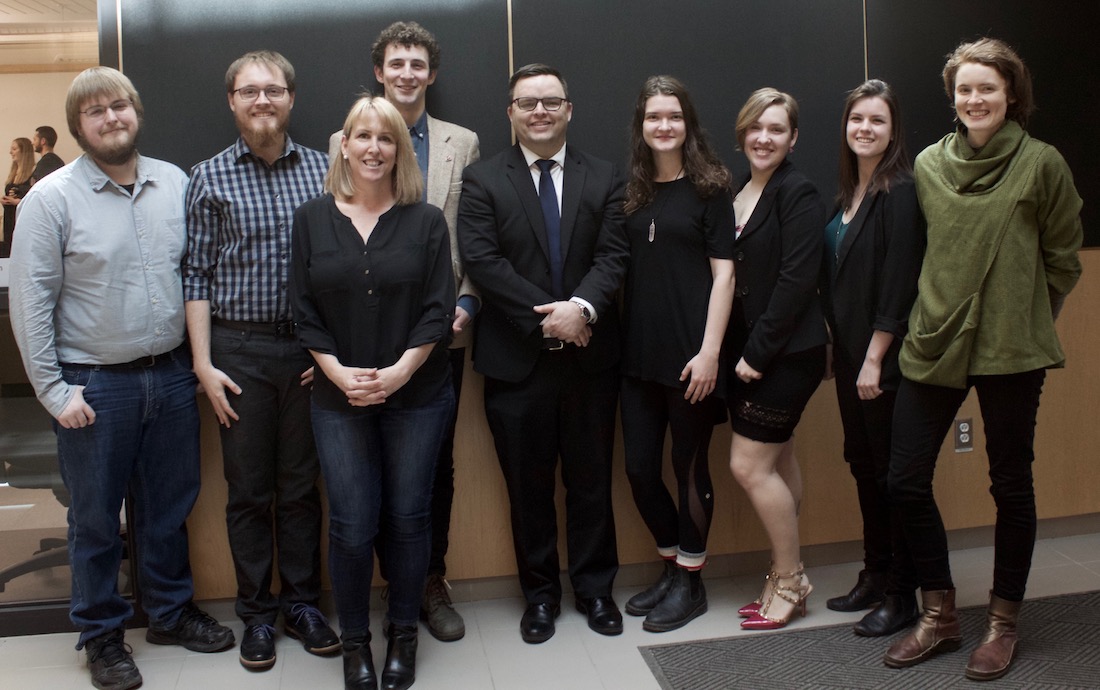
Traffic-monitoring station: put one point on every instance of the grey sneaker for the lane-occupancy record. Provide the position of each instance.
(436, 610)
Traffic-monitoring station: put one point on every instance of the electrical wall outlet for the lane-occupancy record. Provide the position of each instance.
(964, 435)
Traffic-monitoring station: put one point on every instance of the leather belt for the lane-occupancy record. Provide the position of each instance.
(139, 363)
(283, 328)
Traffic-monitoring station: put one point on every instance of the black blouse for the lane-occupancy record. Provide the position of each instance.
(669, 282)
(369, 303)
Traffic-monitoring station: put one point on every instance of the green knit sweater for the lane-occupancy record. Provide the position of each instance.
(968, 196)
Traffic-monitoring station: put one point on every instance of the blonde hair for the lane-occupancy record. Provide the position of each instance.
(758, 102)
(22, 166)
(94, 82)
(408, 185)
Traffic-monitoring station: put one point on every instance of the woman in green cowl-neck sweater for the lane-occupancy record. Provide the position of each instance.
(1003, 234)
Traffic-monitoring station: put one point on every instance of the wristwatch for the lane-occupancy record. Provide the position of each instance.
(585, 312)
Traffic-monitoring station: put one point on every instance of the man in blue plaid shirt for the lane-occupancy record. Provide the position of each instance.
(240, 207)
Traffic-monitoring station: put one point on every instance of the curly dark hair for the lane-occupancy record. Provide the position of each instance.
(701, 164)
(405, 34)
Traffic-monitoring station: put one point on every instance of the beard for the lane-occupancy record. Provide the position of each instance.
(115, 154)
(263, 133)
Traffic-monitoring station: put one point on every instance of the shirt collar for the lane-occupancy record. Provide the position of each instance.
(242, 149)
(99, 179)
(530, 157)
(421, 126)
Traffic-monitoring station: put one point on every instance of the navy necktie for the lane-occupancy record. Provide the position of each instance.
(551, 216)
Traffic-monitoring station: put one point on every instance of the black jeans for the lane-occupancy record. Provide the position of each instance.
(270, 462)
(443, 489)
(923, 415)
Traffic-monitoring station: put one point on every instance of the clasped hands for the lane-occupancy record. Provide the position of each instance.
(369, 386)
(565, 322)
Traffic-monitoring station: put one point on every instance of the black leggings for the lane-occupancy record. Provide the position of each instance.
(647, 409)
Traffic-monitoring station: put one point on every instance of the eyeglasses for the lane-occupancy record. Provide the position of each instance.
(551, 103)
(251, 93)
(98, 112)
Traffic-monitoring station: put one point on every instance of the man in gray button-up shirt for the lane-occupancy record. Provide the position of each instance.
(97, 310)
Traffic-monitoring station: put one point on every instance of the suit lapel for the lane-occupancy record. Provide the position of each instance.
(520, 176)
(767, 200)
(441, 160)
(854, 229)
(573, 182)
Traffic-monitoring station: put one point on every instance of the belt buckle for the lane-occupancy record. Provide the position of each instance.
(284, 328)
(557, 345)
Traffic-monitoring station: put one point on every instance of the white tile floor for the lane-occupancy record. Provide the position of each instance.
(492, 656)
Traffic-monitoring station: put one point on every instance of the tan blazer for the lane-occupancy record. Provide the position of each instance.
(450, 149)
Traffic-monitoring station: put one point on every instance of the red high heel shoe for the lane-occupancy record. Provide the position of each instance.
(795, 594)
(753, 607)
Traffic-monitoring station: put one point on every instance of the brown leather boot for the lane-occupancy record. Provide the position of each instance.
(998, 648)
(937, 631)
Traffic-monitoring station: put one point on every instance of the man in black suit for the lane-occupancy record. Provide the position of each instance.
(540, 227)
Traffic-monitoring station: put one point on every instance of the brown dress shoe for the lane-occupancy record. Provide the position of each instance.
(937, 631)
(998, 648)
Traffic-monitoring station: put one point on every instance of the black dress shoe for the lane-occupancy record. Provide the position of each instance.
(603, 615)
(305, 623)
(897, 611)
(537, 624)
(258, 647)
(869, 590)
(359, 665)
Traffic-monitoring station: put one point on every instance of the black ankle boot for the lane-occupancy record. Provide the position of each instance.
(686, 599)
(896, 611)
(400, 669)
(869, 590)
(359, 665)
(645, 601)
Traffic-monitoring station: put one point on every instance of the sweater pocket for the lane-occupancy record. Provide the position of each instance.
(939, 355)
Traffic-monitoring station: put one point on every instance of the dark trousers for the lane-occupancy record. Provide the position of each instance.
(558, 410)
(271, 467)
(649, 408)
(867, 432)
(922, 417)
(443, 490)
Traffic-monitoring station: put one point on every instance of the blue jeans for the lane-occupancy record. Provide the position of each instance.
(146, 439)
(378, 468)
(271, 468)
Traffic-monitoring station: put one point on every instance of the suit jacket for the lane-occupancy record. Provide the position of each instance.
(502, 238)
(778, 261)
(874, 282)
(450, 149)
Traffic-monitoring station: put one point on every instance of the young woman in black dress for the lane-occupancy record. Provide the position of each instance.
(678, 295)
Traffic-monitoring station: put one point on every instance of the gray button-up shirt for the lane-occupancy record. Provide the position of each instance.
(95, 273)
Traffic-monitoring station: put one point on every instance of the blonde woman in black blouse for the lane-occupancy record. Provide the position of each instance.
(373, 294)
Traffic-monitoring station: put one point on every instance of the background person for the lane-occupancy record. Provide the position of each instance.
(679, 289)
(873, 250)
(1004, 228)
(776, 337)
(44, 139)
(18, 183)
(373, 293)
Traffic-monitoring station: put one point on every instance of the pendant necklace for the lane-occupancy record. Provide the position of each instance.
(653, 220)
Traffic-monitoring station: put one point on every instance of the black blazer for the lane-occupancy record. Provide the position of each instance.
(502, 239)
(874, 284)
(778, 260)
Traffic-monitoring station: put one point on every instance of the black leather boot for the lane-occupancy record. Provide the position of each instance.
(358, 665)
(643, 602)
(896, 611)
(686, 599)
(869, 590)
(400, 670)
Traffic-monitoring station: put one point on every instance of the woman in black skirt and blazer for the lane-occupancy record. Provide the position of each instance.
(776, 338)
